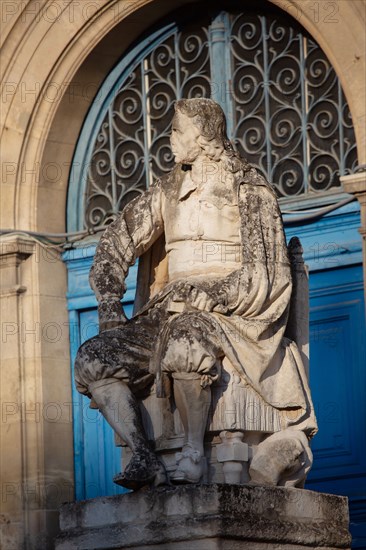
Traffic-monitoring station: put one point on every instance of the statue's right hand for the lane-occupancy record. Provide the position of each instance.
(196, 298)
(181, 291)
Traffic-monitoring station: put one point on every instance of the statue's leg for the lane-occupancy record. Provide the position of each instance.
(191, 358)
(193, 403)
(109, 368)
(120, 408)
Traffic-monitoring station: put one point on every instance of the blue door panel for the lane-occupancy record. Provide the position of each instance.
(96, 458)
(101, 458)
(337, 379)
(338, 385)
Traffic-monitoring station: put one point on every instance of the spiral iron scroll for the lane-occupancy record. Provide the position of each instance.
(132, 147)
(291, 119)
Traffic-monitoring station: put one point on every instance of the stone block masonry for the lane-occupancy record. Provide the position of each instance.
(207, 517)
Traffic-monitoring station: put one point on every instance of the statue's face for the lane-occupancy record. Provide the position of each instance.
(183, 139)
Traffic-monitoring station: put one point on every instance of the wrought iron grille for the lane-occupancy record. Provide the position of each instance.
(291, 119)
(286, 110)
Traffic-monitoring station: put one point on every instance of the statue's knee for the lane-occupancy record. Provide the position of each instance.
(88, 352)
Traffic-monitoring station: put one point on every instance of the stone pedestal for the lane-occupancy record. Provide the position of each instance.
(207, 517)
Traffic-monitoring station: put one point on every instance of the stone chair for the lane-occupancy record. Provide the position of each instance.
(240, 421)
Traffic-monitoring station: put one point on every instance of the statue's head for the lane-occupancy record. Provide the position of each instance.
(199, 126)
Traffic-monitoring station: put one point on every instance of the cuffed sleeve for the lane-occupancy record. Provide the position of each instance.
(129, 236)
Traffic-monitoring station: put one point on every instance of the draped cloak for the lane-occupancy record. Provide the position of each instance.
(256, 296)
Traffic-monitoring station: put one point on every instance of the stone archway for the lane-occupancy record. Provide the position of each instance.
(34, 115)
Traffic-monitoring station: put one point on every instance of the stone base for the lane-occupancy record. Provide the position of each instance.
(207, 517)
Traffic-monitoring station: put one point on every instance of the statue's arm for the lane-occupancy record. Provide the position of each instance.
(263, 283)
(131, 234)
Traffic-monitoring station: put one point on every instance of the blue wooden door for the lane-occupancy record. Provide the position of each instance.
(100, 458)
(96, 457)
(337, 359)
(338, 383)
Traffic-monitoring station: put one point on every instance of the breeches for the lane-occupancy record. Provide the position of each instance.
(185, 345)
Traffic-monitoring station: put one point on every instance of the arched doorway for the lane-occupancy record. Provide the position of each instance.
(287, 114)
(286, 110)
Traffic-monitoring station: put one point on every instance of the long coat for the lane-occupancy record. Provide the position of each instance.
(256, 297)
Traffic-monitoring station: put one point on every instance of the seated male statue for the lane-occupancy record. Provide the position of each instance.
(226, 294)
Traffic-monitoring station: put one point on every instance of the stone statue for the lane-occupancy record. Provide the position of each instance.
(222, 293)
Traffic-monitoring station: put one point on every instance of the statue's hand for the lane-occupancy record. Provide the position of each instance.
(197, 298)
(111, 315)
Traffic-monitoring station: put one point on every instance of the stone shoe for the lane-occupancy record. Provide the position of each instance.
(190, 466)
(143, 469)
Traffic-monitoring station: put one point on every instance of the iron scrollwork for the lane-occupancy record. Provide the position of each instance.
(290, 117)
(132, 145)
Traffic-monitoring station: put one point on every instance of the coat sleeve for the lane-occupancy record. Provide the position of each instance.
(129, 236)
(262, 287)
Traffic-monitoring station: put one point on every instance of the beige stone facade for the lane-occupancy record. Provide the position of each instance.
(54, 56)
